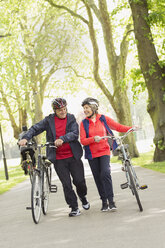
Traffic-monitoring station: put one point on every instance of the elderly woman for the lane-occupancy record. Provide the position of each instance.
(98, 151)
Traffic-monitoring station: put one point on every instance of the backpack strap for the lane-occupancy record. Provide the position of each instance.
(88, 154)
(103, 120)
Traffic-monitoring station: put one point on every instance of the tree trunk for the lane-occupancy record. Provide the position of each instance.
(153, 74)
(119, 100)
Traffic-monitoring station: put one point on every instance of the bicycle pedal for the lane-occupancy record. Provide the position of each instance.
(28, 208)
(143, 187)
(124, 185)
(53, 188)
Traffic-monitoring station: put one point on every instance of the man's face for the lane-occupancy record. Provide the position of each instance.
(61, 113)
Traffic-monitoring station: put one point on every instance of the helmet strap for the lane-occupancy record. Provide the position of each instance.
(91, 114)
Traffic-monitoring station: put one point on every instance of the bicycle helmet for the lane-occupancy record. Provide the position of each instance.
(93, 104)
(90, 101)
(58, 103)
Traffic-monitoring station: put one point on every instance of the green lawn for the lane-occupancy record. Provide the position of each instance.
(145, 160)
(16, 175)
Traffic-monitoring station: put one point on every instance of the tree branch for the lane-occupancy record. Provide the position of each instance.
(5, 35)
(68, 10)
(97, 77)
(76, 73)
(93, 6)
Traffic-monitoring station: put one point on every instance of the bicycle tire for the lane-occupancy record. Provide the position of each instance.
(31, 171)
(133, 185)
(46, 191)
(49, 168)
(36, 195)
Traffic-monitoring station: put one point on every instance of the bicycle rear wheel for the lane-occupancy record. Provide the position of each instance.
(133, 184)
(36, 195)
(46, 191)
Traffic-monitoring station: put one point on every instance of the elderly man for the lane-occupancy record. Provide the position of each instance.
(62, 129)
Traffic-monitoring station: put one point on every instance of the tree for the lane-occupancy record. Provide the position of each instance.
(38, 47)
(118, 99)
(153, 71)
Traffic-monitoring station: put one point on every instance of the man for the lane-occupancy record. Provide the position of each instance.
(62, 129)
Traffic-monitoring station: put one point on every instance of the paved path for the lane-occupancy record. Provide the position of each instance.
(126, 228)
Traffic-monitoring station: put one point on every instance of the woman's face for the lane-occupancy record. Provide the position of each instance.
(87, 110)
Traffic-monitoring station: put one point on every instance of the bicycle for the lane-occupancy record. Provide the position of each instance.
(132, 179)
(41, 184)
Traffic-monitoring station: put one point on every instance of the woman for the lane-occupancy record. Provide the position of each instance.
(98, 151)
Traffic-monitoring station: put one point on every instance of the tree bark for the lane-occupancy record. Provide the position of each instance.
(153, 74)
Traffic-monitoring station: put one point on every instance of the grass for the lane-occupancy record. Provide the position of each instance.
(16, 175)
(145, 160)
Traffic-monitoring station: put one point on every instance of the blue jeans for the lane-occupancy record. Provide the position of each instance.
(100, 168)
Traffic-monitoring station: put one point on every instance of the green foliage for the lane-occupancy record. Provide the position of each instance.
(164, 97)
(41, 38)
(157, 12)
(138, 83)
(152, 69)
(121, 5)
(161, 145)
(161, 63)
(157, 18)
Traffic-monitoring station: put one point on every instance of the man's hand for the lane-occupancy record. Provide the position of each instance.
(22, 142)
(97, 138)
(58, 142)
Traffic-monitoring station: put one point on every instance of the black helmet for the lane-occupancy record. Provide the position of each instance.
(58, 103)
(90, 101)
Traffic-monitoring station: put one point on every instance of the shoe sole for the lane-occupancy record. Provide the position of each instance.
(112, 209)
(105, 210)
(74, 215)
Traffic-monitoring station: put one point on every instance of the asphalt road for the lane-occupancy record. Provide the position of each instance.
(126, 228)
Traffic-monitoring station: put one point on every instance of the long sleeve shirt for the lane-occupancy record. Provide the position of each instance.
(97, 128)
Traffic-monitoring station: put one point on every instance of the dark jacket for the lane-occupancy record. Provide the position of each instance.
(48, 125)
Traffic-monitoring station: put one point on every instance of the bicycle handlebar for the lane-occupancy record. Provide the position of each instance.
(47, 144)
(133, 129)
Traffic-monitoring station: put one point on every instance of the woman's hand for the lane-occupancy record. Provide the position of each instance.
(97, 139)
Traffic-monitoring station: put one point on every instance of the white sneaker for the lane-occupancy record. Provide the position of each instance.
(74, 212)
(85, 203)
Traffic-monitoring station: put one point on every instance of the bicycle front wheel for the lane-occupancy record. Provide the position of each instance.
(36, 197)
(133, 184)
(31, 171)
(46, 191)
